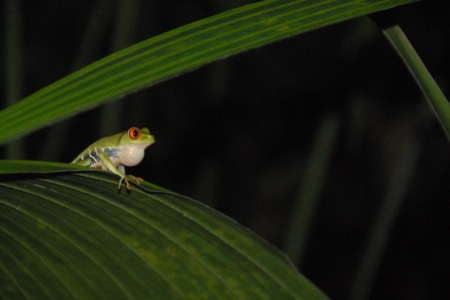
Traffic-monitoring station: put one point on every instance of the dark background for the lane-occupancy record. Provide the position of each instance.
(237, 134)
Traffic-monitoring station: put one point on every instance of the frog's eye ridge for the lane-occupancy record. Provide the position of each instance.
(134, 133)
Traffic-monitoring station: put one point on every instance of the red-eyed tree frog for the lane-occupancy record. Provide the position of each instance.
(114, 152)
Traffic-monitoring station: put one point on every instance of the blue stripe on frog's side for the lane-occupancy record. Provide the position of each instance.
(94, 154)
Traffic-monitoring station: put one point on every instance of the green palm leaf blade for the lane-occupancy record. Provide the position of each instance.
(436, 98)
(72, 235)
(176, 52)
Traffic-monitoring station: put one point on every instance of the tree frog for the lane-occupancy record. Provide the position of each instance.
(114, 152)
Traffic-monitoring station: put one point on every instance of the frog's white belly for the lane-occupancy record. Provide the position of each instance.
(129, 155)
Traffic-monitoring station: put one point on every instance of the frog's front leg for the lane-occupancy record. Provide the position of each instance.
(129, 177)
(138, 180)
(125, 177)
(106, 161)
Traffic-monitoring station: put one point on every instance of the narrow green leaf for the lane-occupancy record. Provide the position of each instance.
(436, 98)
(74, 236)
(176, 52)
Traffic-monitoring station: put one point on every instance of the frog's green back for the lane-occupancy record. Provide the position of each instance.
(108, 141)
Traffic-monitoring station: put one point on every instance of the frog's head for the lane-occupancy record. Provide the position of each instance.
(133, 144)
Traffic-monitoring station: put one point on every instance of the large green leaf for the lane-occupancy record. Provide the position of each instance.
(72, 235)
(30, 166)
(176, 52)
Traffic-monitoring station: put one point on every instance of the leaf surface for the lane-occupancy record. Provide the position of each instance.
(72, 235)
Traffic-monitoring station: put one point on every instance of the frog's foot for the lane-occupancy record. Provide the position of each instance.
(126, 182)
(126, 178)
(138, 180)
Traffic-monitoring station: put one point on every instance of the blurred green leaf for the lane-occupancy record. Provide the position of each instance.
(176, 52)
(72, 235)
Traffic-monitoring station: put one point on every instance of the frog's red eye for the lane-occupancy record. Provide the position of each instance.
(134, 133)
